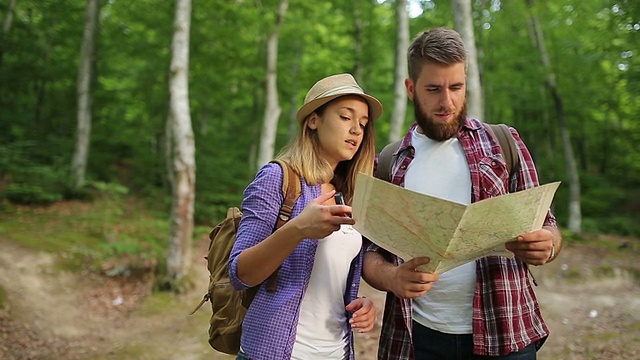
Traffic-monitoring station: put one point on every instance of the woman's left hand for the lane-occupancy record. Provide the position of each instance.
(364, 316)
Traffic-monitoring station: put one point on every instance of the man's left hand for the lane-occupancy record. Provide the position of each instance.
(533, 248)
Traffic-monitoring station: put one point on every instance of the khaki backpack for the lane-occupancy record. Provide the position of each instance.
(228, 305)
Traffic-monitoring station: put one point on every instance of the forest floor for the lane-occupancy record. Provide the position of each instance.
(590, 297)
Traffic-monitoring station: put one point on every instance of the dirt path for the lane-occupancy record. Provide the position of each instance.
(55, 314)
(590, 298)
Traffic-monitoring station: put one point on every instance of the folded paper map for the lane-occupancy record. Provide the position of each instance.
(410, 224)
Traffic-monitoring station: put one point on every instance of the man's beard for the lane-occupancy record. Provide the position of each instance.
(439, 131)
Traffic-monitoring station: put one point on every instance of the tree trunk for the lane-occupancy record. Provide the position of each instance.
(184, 168)
(293, 110)
(6, 26)
(358, 68)
(85, 76)
(8, 17)
(463, 23)
(401, 73)
(272, 108)
(575, 213)
(168, 149)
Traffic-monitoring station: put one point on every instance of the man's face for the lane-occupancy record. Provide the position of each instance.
(439, 98)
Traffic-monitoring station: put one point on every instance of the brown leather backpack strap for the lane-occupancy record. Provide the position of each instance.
(291, 190)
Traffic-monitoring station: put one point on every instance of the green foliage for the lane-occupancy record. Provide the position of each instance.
(593, 45)
(570, 237)
(118, 238)
(604, 207)
(30, 195)
(216, 207)
(128, 256)
(112, 191)
(28, 181)
(613, 224)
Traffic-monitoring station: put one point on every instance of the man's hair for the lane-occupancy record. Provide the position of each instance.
(439, 45)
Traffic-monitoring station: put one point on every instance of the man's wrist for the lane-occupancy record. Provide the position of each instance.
(553, 254)
(556, 242)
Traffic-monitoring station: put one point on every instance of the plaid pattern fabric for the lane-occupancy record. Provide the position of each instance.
(269, 328)
(506, 315)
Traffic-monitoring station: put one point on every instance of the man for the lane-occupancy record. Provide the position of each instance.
(486, 308)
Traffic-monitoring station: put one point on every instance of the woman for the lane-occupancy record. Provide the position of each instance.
(318, 254)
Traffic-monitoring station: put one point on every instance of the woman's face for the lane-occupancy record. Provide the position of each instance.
(341, 128)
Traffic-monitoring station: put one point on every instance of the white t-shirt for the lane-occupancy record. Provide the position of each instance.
(440, 169)
(322, 327)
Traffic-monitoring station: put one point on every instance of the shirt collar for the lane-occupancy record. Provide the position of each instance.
(469, 125)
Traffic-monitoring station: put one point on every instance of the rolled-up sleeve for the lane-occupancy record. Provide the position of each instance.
(260, 207)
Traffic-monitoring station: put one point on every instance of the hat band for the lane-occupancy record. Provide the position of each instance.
(346, 89)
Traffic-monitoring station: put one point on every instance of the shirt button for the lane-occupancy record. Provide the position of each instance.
(403, 167)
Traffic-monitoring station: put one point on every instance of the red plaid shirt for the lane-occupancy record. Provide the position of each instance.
(506, 315)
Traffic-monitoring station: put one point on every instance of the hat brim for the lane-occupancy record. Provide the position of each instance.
(375, 107)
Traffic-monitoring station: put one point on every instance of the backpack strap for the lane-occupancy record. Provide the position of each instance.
(291, 190)
(507, 145)
(383, 170)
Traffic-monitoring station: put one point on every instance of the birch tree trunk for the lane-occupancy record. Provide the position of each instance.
(463, 23)
(293, 109)
(168, 150)
(575, 212)
(401, 73)
(8, 17)
(272, 108)
(84, 96)
(358, 68)
(6, 26)
(184, 168)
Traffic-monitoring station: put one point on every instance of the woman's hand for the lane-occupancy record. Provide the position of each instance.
(364, 316)
(317, 221)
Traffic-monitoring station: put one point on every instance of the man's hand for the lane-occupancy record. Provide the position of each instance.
(405, 281)
(536, 247)
(409, 282)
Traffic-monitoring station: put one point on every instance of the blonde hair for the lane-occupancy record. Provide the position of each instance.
(303, 155)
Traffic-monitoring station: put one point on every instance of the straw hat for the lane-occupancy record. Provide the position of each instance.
(332, 87)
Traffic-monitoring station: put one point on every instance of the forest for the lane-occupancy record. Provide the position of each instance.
(564, 73)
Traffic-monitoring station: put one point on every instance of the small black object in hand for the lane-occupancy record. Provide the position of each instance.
(340, 200)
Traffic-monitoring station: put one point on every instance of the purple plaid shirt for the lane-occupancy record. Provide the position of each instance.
(269, 328)
(506, 315)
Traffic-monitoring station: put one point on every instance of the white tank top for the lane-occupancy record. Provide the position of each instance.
(322, 327)
(440, 169)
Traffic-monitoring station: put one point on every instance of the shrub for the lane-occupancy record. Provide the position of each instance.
(26, 194)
